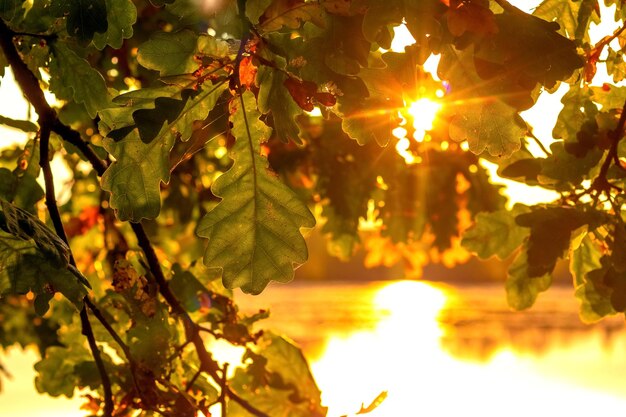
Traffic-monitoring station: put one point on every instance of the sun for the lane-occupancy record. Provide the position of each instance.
(423, 112)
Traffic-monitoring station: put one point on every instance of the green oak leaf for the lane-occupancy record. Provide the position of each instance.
(616, 65)
(281, 381)
(274, 98)
(285, 358)
(377, 22)
(577, 108)
(84, 18)
(73, 78)
(255, 9)
(595, 292)
(493, 126)
(149, 337)
(550, 234)
(522, 290)
(609, 96)
(254, 232)
(69, 364)
(7, 184)
(165, 111)
(20, 186)
(584, 258)
(116, 122)
(34, 258)
(573, 16)
(523, 169)
(121, 15)
(11, 9)
(25, 226)
(292, 14)
(527, 50)
(479, 113)
(23, 125)
(496, 233)
(134, 178)
(562, 168)
(186, 288)
(56, 371)
(170, 53)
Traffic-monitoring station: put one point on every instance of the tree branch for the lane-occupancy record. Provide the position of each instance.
(531, 135)
(192, 332)
(34, 94)
(224, 389)
(55, 216)
(95, 351)
(48, 122)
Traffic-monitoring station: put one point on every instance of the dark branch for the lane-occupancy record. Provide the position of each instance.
(224, 389)
(192, 332)
(73, 137)
(55, 216)
(48, 121)
(98, 314)
(539, 143)
(615, 135)
(34, 94)
(106, 382)
(193, 380)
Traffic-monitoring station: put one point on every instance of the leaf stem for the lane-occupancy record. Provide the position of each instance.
(235, 82)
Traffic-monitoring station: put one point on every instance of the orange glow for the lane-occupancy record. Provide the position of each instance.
(371, 221)
(403, 356)
(355, 369)
(401, 38)
(423, 112)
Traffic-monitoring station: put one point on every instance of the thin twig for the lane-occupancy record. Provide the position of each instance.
(207, 363)
(48, 37)
(235, 82)
(95, 352)
(98, 314)
(531, 135)
(55, 216)
(193, 380)
(615, 136)
(224, 389)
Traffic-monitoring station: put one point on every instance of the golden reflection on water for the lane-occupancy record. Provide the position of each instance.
(403, 355)
(437, 350)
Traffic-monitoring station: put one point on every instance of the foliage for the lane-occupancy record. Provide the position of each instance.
(197, 162)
